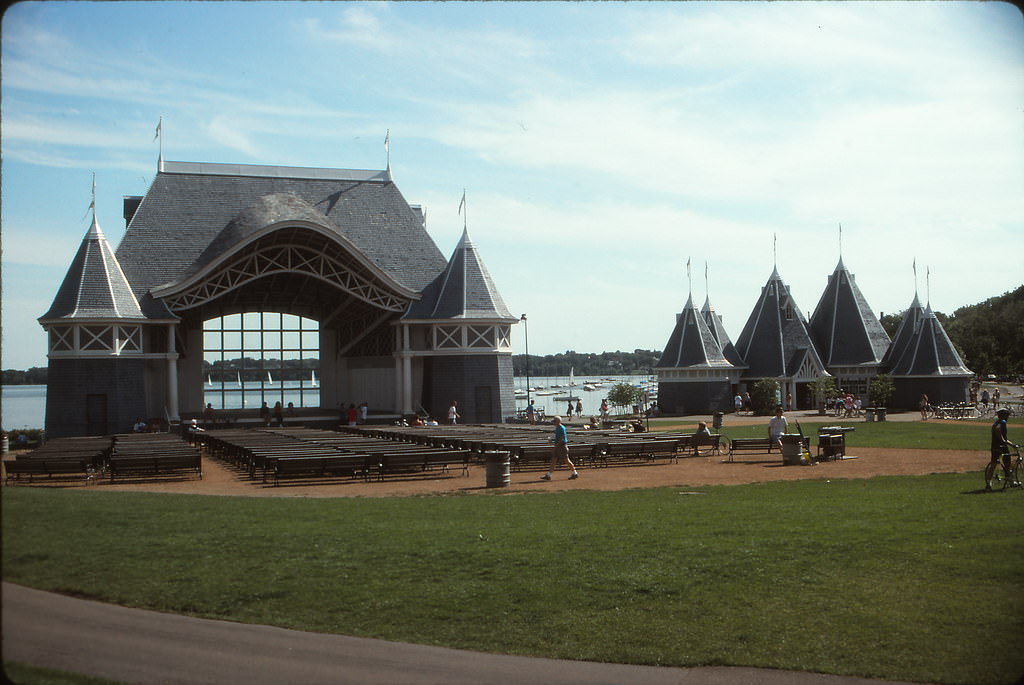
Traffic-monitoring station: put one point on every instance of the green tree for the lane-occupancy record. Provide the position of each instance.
(880, 389)
(764, 396)
(821, 389)
(624, 395)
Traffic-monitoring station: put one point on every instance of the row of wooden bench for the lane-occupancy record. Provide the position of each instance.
(117, 456)
(313, 453)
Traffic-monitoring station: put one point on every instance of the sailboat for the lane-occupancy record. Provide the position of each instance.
(312, 378)
(209, 381)
(238, 378)
(570, 397)
(270, 379)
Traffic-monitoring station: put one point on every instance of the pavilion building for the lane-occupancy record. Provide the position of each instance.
(236, 285)
(923, 360)
(694, 375)
(776, 343)
(850, 338)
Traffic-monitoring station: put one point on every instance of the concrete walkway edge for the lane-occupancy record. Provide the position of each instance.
(148, 647)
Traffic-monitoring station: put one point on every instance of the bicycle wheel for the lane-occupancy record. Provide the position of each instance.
(1018, 473)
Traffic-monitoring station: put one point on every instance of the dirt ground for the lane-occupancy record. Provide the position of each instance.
(221, 479)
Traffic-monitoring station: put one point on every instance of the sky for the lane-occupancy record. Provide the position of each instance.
(601, 146)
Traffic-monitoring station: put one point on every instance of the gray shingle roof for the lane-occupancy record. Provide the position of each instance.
(775, 334)
(928, 350)
(714, 321)
(192, 212)
(94, 286)
(464, 290)
(692, 344)
(847, 331)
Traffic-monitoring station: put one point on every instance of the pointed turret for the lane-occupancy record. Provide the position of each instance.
(923, 361)
(776, 341)
(694, 376)
(464, 290)
(714, 321)
(94, 287)
(847, 331)
(692, 344)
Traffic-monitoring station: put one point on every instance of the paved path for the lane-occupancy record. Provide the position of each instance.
(136, 646)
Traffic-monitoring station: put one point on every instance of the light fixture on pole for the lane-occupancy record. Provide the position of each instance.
(526, 336)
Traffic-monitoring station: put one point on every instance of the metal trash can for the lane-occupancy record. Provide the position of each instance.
(792, 449)
(716, 419)
(498, 469)
(869, 414)
(880, 413)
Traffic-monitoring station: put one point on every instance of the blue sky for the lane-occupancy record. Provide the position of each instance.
(601, 145)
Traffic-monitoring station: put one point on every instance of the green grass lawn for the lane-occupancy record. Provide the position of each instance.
(909, 578)
(946, 435)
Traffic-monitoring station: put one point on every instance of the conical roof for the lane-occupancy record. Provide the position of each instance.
(847, 331)
(775, 342)
(692, 344)
(909, 328)
(714, 321)
(464, 290)
(929, 351)
(95, 287)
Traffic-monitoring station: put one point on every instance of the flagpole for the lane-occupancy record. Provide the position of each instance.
(689, 276)
(160, 136)
(387, 149)
(463, 210)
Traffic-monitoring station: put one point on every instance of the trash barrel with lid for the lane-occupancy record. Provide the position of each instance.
(869, 414)
(716, 419)
(880, 414)
(498, 469)
(792, 448)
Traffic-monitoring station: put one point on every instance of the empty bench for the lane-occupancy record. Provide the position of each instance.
(155, 466)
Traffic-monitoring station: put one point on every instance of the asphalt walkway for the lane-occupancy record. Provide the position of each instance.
(148, 647)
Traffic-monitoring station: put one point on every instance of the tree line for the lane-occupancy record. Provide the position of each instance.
(616, 363)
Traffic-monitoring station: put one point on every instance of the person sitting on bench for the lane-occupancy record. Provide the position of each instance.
(777, 426)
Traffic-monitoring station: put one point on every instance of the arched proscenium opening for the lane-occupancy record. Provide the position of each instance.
(305, 272)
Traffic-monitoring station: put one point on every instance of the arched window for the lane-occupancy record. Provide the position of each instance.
(258, 357)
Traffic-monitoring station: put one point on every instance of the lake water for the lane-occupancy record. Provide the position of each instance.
(545, 394)
(24, 406)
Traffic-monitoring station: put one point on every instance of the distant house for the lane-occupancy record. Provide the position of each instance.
(237, 284)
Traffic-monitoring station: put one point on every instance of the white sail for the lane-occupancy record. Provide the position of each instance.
(312, 378)
(270, 379)
(209, 380)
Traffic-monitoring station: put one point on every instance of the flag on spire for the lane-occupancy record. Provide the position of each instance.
(387, 140)
(159, 127)
(463, 202)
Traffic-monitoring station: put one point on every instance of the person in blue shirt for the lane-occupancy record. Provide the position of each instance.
(560, 451)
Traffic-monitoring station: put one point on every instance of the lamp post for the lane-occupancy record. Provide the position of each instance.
(526, 336)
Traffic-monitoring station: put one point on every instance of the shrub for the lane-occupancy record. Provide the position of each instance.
(764, 396)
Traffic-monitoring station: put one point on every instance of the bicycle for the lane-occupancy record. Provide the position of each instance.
(1002, 477)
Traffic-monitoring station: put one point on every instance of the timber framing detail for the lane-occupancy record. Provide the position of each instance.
(260, 259)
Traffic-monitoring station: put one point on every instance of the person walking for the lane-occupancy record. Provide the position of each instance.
(453, 413)
(560, 451)
(531, 413)
(579, 408)
(1000, 448)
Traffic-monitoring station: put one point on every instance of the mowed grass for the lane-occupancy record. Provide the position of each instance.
(934, 434)
(897, 578)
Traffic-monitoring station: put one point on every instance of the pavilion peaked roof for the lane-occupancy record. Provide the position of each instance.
(847, 331)
(95, 287)
(927, 351)
(776, 341)
(692, 344)
(464, 290)
(714, 321)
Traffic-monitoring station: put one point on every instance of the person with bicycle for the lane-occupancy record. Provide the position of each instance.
(1000, 448)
